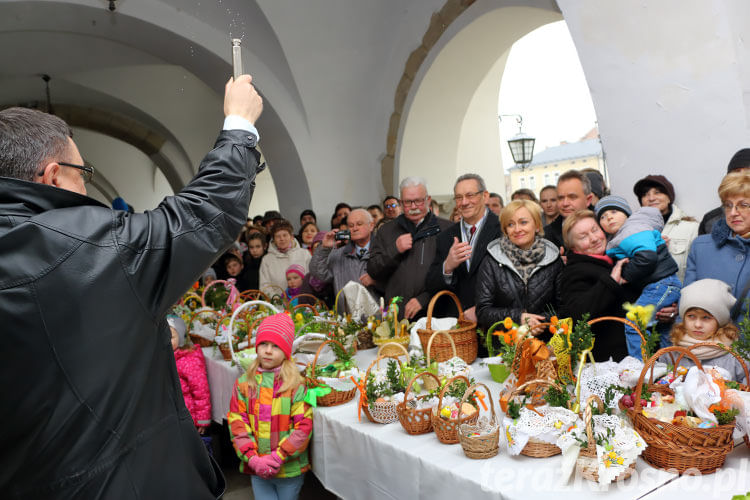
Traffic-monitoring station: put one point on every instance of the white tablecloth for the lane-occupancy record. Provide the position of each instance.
(221, 376)
(362, 460)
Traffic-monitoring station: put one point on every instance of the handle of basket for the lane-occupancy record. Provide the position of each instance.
(433, 300)
(237, 311)
(539, 381)
(414, 379)
(587, 416)
(448, 384)
(296, 308)
(198, 313)
(720, 347)
(468, 392)
(445, 333)
(189, 296)
(399, 346)
(316, 300)
(651, 361)
(214, 283)
(254, 295)
(624, 322)
(317, 353)
(490, 331)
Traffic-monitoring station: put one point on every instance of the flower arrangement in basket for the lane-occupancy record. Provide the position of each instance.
(676, 440)
(741, 349)
(381, 390)
(500, 364)
(464, 333)
(390, 328)
(481, 439)
(602, 447)
(536, 414)
(446, 418)
(448, 368)
(335, 383)
(224, 298)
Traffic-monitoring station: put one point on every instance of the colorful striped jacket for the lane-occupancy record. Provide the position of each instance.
(265, 420)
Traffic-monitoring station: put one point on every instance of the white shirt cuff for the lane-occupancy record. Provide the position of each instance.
(236, 122)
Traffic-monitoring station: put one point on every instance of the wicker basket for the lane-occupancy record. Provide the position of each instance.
(447, 428)
(226, 352)
(464, 337)
(678, 447)
(479, 447)
(197, 339)
(587, 464)
(334, 397)
(430, 385)
(379, 341)
(416, 421)
(739, 358)
(383, 412)
(536, 448)
(232, 288)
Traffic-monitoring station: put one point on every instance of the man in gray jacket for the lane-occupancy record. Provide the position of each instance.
(349, 261)
(92, 404)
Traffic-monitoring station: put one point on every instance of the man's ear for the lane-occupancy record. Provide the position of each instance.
(51, 174)
(589, 199)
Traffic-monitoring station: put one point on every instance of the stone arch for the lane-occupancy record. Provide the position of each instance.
(453, 80)
(167, 36)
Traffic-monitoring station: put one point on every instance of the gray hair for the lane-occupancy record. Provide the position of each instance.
(28, 138)
(576, 174)
(412, 181)
(471, 177)
(368, 215)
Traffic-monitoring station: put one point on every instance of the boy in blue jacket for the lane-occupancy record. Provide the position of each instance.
(637, 237)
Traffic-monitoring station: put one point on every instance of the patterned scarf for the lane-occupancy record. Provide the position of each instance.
(525, 261)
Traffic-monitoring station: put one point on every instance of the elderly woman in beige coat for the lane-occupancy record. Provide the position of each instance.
(283, 251)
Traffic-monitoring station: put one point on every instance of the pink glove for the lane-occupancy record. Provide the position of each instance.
(275, 455)
(266, 466)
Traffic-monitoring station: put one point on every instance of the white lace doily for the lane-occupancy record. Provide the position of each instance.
(546, 427)
(621, 446)
(452, 367)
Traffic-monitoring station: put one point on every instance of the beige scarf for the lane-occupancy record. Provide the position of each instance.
(706, 352)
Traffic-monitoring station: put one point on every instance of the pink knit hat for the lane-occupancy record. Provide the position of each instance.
(296, 268)
(277, 329)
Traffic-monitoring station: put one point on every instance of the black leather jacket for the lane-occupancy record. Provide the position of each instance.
(501, 292)
(92, 405)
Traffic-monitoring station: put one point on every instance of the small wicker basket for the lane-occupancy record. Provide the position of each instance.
(334, 397)
(197, 339)
(464, 337)
(416, 421)
(393, 350)
(679, 447)
(587, 464)
(447, 428)
(483, 446)
(383, 412)
(535, 447)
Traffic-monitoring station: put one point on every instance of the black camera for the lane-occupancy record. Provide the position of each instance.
(343, 235)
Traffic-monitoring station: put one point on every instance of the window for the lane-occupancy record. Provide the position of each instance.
(523, 182)
(532, 182)
(546, 179)
(557, 174)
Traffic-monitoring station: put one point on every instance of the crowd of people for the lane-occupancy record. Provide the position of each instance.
(107, 392)
(571, 249)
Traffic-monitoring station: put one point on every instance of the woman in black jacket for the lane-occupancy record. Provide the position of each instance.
(591, 283)
(519, 276)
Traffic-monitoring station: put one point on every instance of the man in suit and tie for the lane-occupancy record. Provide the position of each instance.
(461, 247)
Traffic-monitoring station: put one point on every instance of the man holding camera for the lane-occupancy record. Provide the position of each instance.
(404, 248)
(342, 256)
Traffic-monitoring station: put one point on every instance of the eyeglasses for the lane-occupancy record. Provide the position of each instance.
(391, 205)
(469, 196)
(415, 203)
(86, 172)
(742, 207)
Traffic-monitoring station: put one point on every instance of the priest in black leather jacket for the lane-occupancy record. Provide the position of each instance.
(92, 405)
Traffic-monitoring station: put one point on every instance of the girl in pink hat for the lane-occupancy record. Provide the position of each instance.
(270, 421)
